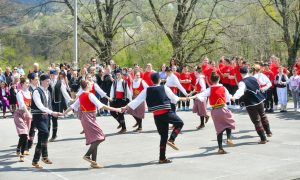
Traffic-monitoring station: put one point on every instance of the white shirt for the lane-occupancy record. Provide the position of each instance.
(263, 80)
(37, 99)
(92, 98)
(20, 98)
(143, 95)
(206, 93)
(200, 80)
(120, 89)
(173, 81)
(294, 82)
(136, 83)
(97, 89)
(33, 86)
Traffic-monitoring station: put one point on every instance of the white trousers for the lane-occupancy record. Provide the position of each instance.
(282, 95)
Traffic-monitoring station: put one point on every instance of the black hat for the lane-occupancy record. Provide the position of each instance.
(44, 77)
(119, 71)
(53, 71)
(243, 70)
(32, 76)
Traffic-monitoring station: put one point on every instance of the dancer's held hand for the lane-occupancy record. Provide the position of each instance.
(123, 109)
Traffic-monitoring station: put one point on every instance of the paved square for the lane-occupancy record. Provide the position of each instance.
(134, 155)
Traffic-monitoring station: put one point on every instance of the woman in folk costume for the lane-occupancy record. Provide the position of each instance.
(281, 81)
(4, 94)
(88, 105)
(138, 85)
(222, 117)
(95, 89)
(22, 118)
(200, 106)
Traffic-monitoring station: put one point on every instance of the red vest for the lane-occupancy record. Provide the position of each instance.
(174, 89)
(85, 104)
(198, 87)
(93, 90)
(138, 90)
(217, 96)
(26, 101)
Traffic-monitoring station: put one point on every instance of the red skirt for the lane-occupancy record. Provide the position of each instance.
(200, 108)
(139, 112)
(22, 122)
(222, 118)
(92, 130)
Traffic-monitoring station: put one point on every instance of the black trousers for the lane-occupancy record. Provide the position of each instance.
(57, 107)
(31, 134)
(274, 92)
(269, 99)
(22, 145)
(185, 103)
(119, 116)
(42, 124)
(259, 119)
(162, 124)
(232, 91)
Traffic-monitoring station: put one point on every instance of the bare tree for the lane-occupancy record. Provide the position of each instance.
(190, 31)
(100, 22)
(288, 20)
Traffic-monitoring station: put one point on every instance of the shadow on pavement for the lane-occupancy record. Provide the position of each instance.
(132, 165)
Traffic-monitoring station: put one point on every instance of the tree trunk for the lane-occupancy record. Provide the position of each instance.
(292, 55)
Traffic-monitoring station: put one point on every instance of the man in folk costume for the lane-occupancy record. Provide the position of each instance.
(174, 84)
(34, 83)
(121, 95)
(158, 99)
(41, 111)
(250, 95)
(138, 85)
(60, 99)
(200, 106)
(222, 117)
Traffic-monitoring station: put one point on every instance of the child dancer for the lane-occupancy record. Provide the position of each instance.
(88, 104)
(249, 93)
(158, 99)
(22, 118)
(222, 117)
(199, 106)
(138, 85)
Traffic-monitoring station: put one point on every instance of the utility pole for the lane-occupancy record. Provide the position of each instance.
(75, 50)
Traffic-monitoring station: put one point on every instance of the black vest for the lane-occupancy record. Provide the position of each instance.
(56, 92)
(252, 95)
(282, 80)
(34, 108)
(124, 85)
(157, 98)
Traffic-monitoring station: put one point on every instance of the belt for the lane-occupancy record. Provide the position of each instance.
(218, 106)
